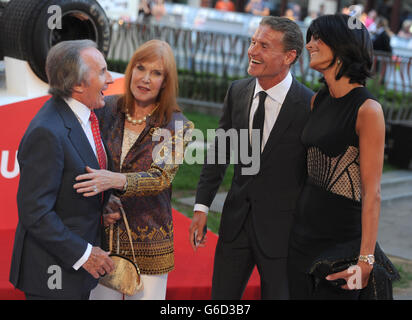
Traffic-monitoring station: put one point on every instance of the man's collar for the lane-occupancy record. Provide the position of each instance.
(80, 110)
(277, 92)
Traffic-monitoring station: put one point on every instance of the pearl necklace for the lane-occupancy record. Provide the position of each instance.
(139, 121)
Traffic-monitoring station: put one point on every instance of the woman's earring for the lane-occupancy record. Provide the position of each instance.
(339, 62)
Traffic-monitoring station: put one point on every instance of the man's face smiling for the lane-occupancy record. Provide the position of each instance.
(268, 60)
(97, 79)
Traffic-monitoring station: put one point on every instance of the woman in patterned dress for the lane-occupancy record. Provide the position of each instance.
(146, 134)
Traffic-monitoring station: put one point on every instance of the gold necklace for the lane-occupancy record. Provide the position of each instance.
(139, 121)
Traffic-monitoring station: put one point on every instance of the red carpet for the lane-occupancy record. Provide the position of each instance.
(191, 279)
(192, 276)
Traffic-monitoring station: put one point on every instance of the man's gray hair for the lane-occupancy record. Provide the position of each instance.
(65, 68)
(292, 36)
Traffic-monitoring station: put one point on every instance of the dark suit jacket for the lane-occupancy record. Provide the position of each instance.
(271, 195)
(55, 222)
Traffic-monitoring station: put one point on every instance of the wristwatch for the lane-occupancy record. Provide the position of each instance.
(369, 259)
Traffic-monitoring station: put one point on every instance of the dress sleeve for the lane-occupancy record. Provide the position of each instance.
(164, 167)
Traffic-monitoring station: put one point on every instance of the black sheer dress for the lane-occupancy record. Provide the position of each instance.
(328, 218)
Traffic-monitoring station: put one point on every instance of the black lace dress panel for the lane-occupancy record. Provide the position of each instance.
(339, 175)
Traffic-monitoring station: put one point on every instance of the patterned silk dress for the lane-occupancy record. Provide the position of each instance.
(150, 164)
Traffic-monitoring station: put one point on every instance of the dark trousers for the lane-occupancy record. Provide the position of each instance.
(235, 261)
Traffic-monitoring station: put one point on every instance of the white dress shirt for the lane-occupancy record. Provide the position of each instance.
(273, 103)
(83, 115)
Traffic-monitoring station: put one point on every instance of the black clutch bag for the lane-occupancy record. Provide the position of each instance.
(341, 257)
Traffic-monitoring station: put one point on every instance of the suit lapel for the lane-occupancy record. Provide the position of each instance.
(76, 134)
(246, 96)
(245, 99)
(283, 121)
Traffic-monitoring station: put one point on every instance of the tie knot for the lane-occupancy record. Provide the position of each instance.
(92, 117)
(262, 96)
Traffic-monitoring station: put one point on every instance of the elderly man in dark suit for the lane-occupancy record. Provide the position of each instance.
(259, 208)
(57, 252)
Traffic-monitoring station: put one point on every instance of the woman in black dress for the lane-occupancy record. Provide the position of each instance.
(338, 212)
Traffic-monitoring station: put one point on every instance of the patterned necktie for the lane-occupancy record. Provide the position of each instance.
(259, 117)
(101, 155)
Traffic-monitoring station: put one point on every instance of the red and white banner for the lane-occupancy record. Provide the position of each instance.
(14, 120)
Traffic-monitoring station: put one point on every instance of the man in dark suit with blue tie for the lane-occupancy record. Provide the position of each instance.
(259, 208)
(57, 252)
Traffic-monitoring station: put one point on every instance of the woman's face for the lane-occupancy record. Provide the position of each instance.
(320, 54)
(147, 81)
